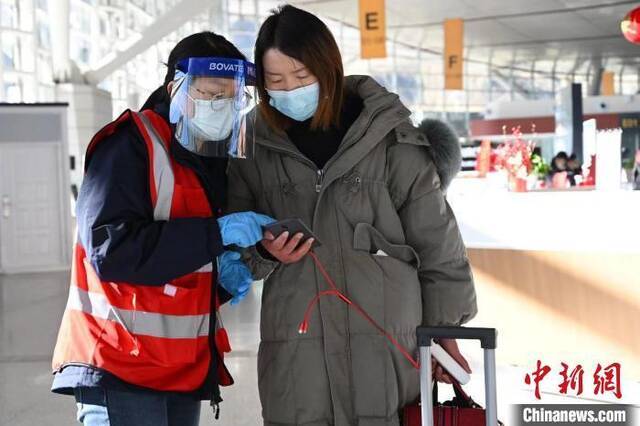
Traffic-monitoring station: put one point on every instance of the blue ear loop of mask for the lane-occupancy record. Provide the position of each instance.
(233, 145)
(178, 97)
(178, 106)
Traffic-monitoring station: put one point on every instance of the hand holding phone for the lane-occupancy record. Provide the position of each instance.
(293, 227)
(291, 241)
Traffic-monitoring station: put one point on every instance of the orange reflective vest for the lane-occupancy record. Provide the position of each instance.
(151, 336)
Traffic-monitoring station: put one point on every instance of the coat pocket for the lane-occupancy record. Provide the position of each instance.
(180, 334)
(155, 326)
(368, 238)
(401, 295)
(401, 300)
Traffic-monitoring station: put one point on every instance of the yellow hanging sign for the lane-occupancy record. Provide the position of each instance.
(607, 86)
(373, 31)
(453, 61)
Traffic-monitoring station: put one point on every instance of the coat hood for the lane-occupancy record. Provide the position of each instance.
(445, 149)
(384, 112)
(442, 140)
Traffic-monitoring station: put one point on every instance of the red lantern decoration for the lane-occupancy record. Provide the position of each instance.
(630, 26)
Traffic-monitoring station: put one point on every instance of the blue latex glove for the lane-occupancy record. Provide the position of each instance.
(234, 276)
(242, 229)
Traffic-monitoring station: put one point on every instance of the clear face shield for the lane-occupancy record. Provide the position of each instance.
(211, 99)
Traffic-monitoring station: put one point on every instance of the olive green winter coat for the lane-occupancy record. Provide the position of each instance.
(380, 191)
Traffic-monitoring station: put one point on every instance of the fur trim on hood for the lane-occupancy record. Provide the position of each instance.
(445, 149)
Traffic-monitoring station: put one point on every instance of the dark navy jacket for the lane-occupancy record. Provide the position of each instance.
(124, 243)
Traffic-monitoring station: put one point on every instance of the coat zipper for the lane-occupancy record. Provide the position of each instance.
(320, 173)
(319, 180)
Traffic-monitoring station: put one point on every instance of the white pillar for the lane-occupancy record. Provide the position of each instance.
(59, 10)
(89, 110)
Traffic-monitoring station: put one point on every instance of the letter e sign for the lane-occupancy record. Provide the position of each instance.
(373, 37)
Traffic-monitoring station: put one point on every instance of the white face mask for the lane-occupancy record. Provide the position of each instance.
(213, 120)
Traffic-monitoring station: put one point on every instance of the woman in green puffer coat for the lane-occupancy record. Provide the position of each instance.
(342, 155)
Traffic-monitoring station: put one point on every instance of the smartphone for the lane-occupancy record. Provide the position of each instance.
(293, 226)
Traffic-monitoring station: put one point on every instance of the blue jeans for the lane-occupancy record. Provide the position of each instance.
(105, 407)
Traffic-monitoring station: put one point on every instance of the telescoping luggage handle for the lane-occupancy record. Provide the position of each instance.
(487, 337)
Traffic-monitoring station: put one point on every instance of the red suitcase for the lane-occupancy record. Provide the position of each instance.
(461, 410)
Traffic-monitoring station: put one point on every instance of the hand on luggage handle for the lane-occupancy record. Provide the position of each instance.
(448, 363)
(487, 337)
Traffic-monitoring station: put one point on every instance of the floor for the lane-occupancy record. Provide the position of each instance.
(30, 310)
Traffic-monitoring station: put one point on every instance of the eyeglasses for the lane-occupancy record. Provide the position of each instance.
(217, 102)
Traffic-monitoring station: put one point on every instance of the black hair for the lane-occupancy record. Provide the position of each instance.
(304, 37)
(196, 45)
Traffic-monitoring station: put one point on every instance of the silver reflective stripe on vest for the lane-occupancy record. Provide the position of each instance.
(206, 268)
(139, 322)
(164, 179)
(162, 172)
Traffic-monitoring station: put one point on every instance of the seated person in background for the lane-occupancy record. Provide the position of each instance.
(558, 172)
(559, 163)
(574, 168)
